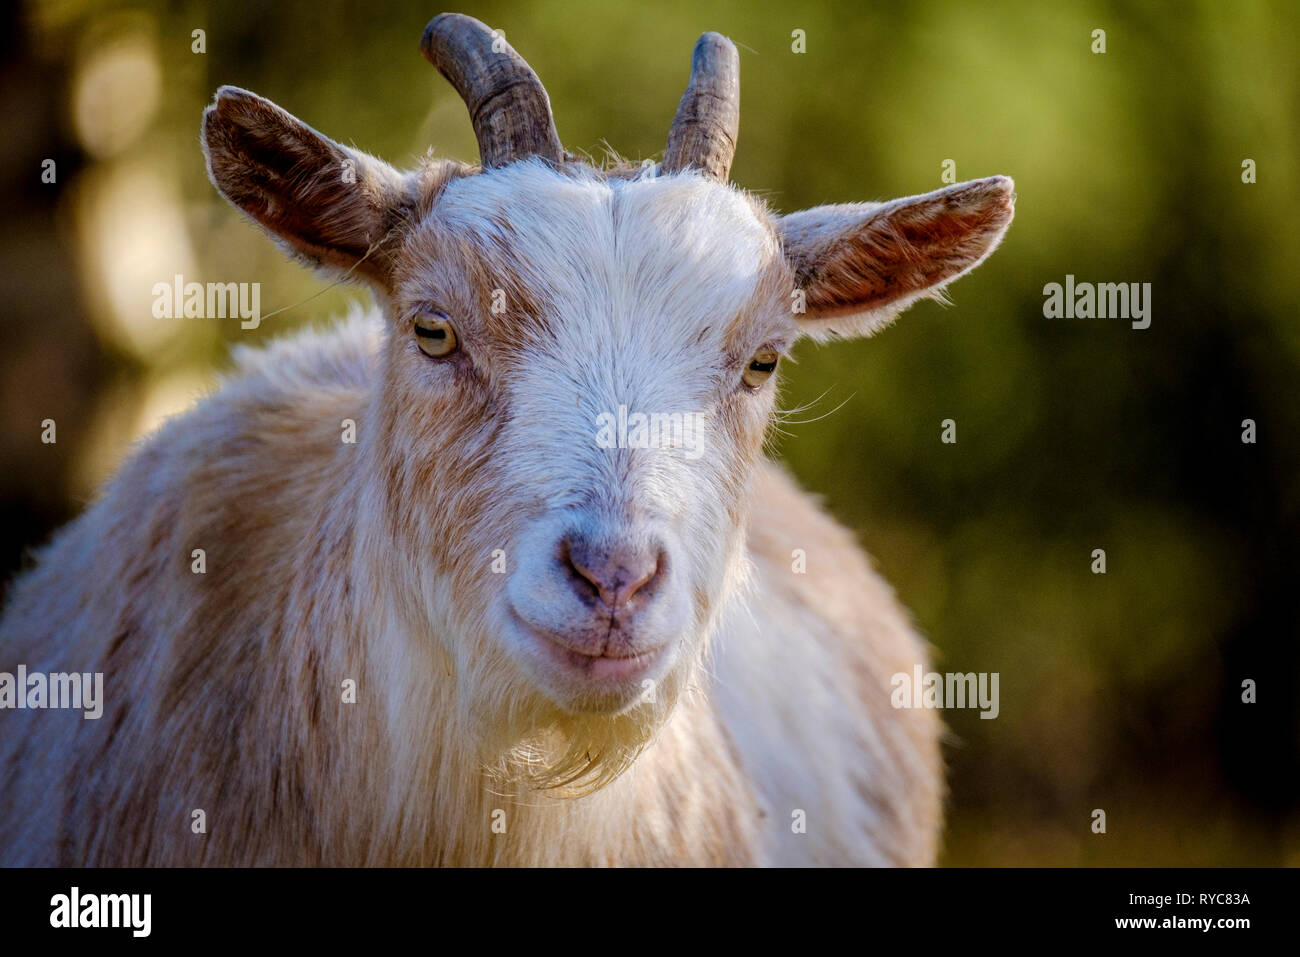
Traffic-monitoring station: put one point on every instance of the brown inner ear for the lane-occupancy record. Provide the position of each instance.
(291, 180)
(900, 250)
(294, 187)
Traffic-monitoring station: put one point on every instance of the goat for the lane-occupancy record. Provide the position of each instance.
(476, 635)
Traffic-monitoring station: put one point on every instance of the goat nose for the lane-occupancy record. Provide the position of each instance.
(614, 574)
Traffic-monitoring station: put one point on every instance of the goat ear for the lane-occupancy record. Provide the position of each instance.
(330, 205)
(859, 265)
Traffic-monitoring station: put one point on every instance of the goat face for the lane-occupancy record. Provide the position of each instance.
(546, 319)
(608, 394)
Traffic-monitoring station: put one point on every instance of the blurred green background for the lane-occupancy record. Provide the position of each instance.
(1118, 691)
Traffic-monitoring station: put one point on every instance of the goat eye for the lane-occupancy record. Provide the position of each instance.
(435, 335)
(760, 368)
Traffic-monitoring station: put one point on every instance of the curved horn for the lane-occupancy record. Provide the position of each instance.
(707, 123)
(507, 102)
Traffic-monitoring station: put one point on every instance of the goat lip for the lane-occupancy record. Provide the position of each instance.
(601, 666)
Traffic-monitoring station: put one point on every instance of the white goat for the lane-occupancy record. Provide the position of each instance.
(478, 634)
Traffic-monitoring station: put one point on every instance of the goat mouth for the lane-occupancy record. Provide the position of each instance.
(608, 666)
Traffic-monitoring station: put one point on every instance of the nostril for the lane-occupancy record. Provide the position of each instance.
(612, 575)
(584, 581)
(630, 580)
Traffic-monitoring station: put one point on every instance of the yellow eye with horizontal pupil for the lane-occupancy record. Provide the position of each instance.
(760, 368)
(435, 335)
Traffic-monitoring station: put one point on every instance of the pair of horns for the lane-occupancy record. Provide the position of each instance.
(511, 112)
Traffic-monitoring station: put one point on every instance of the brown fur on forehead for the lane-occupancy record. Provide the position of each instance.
(432, 177)
(466, 275)
(756, 320)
